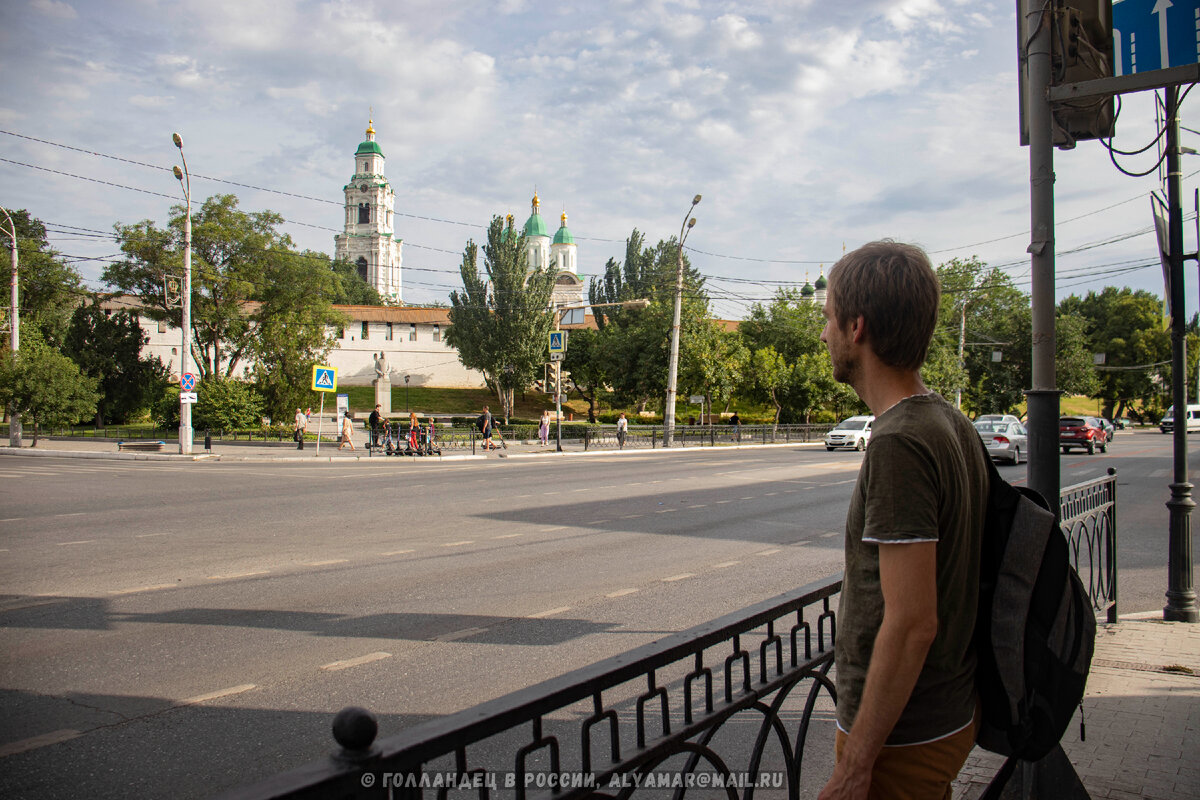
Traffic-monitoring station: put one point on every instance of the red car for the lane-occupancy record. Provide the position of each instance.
(1086, 433)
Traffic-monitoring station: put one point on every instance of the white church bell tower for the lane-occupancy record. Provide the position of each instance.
(369, 241)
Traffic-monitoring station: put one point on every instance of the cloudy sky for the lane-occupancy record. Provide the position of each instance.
(805, 124)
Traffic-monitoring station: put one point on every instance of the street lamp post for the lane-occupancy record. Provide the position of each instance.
(673, 364)
(14, 330)
(407, 410)
(185, 409)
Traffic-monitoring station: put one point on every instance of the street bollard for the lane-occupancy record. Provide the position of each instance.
(208, 441)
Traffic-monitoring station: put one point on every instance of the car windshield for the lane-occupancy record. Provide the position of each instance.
(853, 425)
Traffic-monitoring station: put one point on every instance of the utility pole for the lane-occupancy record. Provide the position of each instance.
(185, 409)
(14, 330)
(673, 364)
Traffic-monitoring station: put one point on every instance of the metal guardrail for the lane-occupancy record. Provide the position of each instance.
(704, 435)
(623, 725)
(1088, 518)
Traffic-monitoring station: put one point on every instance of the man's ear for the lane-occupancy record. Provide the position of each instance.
(858, 329)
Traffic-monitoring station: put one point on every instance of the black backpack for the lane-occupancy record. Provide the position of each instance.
(1036, 627)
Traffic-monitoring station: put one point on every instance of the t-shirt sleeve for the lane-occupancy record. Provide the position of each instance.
(901, 493)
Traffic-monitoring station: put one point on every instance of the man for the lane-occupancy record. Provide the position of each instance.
(299, 428)
(622, 429)
(485, 429)
(905, 666)
(375, 422)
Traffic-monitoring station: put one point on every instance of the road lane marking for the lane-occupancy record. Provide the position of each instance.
(632, 516)
(72, 514)
(508, 536)
(550, 613)
(701, 505)
(81, 541)
(751, 497)
(397, 552)
(555, 528)
(682, 577)
(599, 521)
(12, 519)
(355, 662)
(46, 739)
(720, 502)
(326, 563)
(153, 588)
(725, 564)
(148, 535)
(621, 593)
(237, 575)
(459, 544)
(219, 693)
(454, 636)
(770, 494)
(767, 552)
(828, 535)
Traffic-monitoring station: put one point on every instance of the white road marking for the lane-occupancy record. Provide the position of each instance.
(355, 662)
(633, 516)
(81, 541)
(751, 497)
(326, 563)
(701, 505)
(33, 743)
(725, 564)
(459, 544)
(555, 528)
(721, 502)
(153, 588)
(237, 575)
(508, 536)
(72, 514)
(397, 552)
(550, 613)
(148, 535)
(829, 535)
(219, 693)
(621, 593)
(766, 552)
(682, 577)
(599, 521)
(454, 636)
(770, 494)
(12, 519)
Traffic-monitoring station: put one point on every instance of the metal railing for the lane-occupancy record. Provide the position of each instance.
(619, 726)
(704, 435)
(1088, 517)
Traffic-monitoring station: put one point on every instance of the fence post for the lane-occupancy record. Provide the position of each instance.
(1112, 544)
(587, 435)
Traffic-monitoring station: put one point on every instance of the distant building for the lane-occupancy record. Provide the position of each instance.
(369, 238)
(559, 253)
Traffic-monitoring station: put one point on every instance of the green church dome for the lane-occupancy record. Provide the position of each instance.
(807, 291)
(368, 148)
(821, 282)
(535, 225)
(563, 236)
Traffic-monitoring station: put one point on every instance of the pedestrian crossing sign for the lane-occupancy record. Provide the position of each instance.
(324, 379)
(558, 342)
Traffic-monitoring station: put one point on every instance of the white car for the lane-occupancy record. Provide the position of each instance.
(1007, 419)
(854, 433)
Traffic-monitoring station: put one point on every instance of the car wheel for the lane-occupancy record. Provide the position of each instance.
(1104, 447)
(860, 445)
(1016, 456)
(1066, 450)
(1091, 448)
(827, 447)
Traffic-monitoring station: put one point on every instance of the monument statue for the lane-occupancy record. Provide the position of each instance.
(381, 366)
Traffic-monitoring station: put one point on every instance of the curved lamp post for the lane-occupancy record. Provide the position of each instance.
(14, 330)
(185, 409)
(673, 365)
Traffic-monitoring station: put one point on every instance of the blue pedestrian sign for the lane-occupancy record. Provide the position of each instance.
(1149, 35)
(324, 379)
(558, 342)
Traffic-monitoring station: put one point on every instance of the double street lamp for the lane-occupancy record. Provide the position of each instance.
(673, 365)
(14, 329)
(185, 409)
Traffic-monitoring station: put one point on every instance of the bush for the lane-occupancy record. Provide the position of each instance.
(226, 404)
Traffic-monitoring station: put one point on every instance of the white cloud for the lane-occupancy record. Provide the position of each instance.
(150, 101)
(54, 8)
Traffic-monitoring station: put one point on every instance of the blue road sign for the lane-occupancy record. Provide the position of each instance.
(558, 342)
(324, 379)
(1155, 34)
(187, 382)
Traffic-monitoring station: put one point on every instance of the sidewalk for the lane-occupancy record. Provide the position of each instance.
(1142, 711)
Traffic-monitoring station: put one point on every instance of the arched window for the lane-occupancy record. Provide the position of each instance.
(364, 212)
(362, 267)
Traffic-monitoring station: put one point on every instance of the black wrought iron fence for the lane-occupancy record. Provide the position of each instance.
(704, 435)
(1088, 517)
(645, 720)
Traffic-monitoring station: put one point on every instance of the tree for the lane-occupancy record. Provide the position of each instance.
(45, 386)
(228, 404)
(245, 274)
(500, 323)
(588, 364)
(348, 287)
(48, 288)
(108, 347)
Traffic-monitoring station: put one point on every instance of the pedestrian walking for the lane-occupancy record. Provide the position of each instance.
(347, 432)
(375, 422)
(906, 701)
(544, 429)
(299, 428)
(622, 429)
(736, 422)
(485, 428)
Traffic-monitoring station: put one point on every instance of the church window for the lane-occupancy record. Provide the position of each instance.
(412, 332)
(388, 334)
(362, 267)
(162, 326)
(364, 212)
(437, 333)
(366, 331)
(364, 169)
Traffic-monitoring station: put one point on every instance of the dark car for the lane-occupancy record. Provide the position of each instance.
(1086, 433)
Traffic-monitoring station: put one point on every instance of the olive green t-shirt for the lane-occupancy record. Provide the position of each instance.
(923, 479)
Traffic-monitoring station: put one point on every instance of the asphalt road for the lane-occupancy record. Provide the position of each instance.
(176, 629)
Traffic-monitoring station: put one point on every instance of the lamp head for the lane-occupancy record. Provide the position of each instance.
(691, 223)
(175, 137)
(696, 200)
(178, 173)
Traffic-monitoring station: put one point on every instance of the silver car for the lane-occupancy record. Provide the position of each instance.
(1005, 441)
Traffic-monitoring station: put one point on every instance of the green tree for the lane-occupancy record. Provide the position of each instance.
(771, 374)
(45, 386)
(500, 321)
(108, 347)
(48, 289)
(244, 274)
(718, 363)
(588, 364)
(227, 404)
(348, 287)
